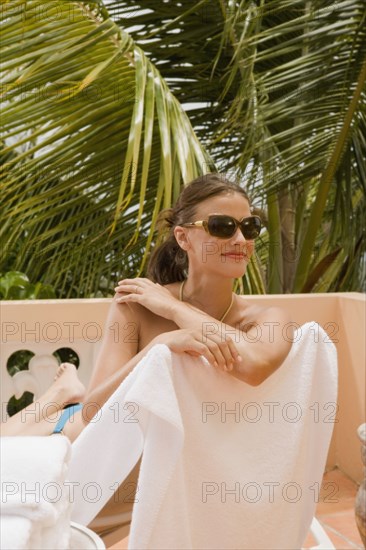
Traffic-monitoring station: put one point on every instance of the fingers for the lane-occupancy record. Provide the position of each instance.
(219, 355)
(219, 351)
(194, 346)
(127, 290)
(187, 341)
(225, 351)
(223, 359)
(233, 350)
(140, 281)
(125, 287)
(204, 350)
(135, 286)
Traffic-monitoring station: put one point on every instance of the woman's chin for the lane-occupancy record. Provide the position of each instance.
(235, 272)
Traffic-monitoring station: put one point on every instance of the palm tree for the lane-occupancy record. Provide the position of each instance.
(95, 145)
(275, 91)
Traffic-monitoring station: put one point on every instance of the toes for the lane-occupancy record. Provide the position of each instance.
(64, 368)
(60, 370)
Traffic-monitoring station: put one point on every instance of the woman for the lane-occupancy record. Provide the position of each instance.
(187, 301)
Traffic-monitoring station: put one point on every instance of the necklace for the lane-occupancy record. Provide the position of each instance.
(226, 312)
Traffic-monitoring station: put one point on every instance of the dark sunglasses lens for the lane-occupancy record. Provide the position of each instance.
(251, 227)
(221, 226)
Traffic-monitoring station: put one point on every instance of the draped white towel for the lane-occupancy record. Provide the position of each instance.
(225, 465)
(35, 503)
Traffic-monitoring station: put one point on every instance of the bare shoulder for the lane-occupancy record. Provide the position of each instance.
(151, 324)
(129, 309)
(252, 313)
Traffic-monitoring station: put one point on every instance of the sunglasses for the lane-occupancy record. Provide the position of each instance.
(224, 227)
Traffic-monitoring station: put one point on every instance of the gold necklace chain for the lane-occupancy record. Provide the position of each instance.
(226, 312)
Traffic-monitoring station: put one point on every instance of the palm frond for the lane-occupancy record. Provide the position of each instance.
(276, 91)
(93, 143)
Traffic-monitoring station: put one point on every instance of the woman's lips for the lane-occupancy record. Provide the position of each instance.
(235, 256)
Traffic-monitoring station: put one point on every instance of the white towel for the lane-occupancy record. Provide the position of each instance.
(35, 505)
(16, 532)
(225, 465)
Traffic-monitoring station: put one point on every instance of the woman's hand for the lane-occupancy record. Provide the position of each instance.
(151, 295)
(222, 354)
(219, 349)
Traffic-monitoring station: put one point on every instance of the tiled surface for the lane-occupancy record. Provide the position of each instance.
(121, 545)
(335, 512)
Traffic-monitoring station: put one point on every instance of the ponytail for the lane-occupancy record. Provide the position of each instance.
(168, 262)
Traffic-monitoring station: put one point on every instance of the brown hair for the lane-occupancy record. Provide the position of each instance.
(169, 262)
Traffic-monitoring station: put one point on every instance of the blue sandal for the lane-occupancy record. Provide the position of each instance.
(68, 412)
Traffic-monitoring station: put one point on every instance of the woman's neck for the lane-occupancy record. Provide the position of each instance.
(213, 296)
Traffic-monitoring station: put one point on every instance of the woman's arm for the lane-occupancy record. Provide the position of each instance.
(119, 351)
(263, 347)
(251, 355)
(119, 344)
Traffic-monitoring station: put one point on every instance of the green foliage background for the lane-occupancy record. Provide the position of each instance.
(108, 108)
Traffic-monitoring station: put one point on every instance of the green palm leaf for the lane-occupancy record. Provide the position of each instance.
(276, 91)
(94, 144)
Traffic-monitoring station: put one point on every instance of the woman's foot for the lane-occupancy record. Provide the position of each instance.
(67, 387)
(61, 369)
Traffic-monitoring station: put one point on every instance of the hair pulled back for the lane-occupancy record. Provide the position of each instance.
(169, 262)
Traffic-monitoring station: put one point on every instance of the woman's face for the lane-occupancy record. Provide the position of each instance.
(226, 257)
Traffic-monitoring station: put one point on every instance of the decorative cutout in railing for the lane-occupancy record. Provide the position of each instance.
(33, 374)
